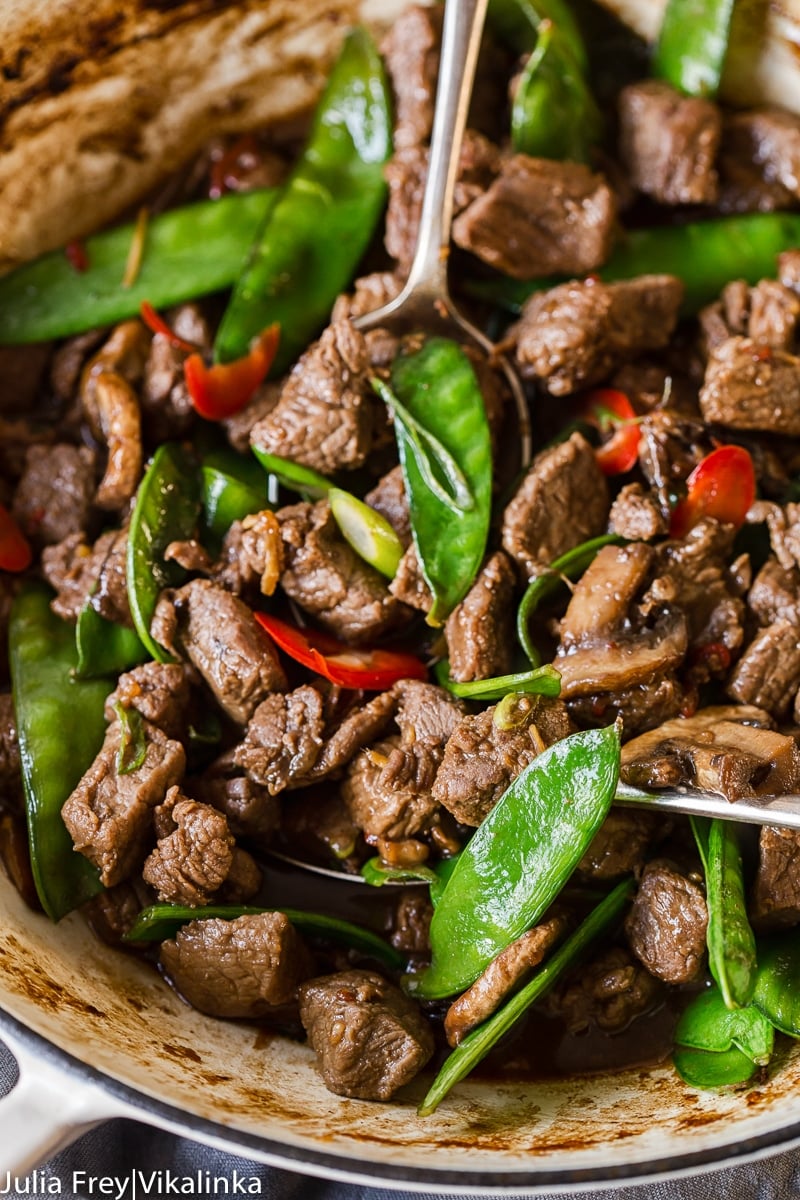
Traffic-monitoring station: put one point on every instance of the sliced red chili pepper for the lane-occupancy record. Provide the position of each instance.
(610, 411)
(77, 256)
(15, 550)
(373, 670)
(722, 485)
(156, 324)
(223, 389)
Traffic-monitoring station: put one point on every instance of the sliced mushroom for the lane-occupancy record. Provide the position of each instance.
(613, 665)
(112, 410)
(603, 594)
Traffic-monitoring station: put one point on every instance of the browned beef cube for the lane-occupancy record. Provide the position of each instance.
(360, 727)
(325, 576)
(746, 181)
(666, 927)
(222, 639)
(167, 407)
(636, 514)
(775, 900)
(767, 313)
(561, 502)
(323, 418)
(109, 815)
(425, 712)
(239, 426)
(772, 136)
(159, 691)
(480, 631)
(384, 798)
(22, 369)
(789, 269)
(72, 568)
(370, 1038)
(620, 845)
(251, 811)
(112, 912)
(481, 759)
(248, 967)
(54, 495)
(409, 585)
(538, 218)
(110, 596)
(194, 853)
(411, 50)
(576, 334)
(768, 673)
(608, 992)
(411, 923)
(658, 697)
(775, 594)
(669, 142)
(748, 386)
(283, 739)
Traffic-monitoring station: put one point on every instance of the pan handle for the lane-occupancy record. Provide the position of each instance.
(46, 1110)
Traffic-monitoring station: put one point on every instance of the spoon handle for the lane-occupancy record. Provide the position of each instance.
(461, 37)
(756, 810)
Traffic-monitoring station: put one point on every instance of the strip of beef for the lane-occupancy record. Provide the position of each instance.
(666, 926)
(658, 697)
(772, 138)
(729, 749)
(249, 967)
(160, 692)
(426, 713)
(324, 416)
(620, 846)
(501, 976)
(222, 639)
(109, 815)
(194, 852)
(479, 163)
(411, 51)
(10, 762)
(540, 217)
(369, 1037)
(746, 183)
(389, 498)
(384, 797)
(775, 594)
(480, 630)
(562, 501)
(768, 672)
(251, 811)
(411, 924)
(767, 313)
(608, 993)
(283, 738)
(409, 585)
(73, 568)
(669, 142)
(481, 759)
(775, 898)
(54, 496)
(636, 514)
(358, 729)
(750, 386)
(576, 334)
(167, 407)
(325, 576)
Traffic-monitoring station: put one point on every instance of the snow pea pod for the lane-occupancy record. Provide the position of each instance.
(517, 23)
(167, 509)
(60, 726)
(777, 990)
(477, 1044)
(445, 451)
(233, 488)
(104, 647)
(315, 236)
(730, 938)
(708, 1069)
(708, 1024)
(693, 44)
(520, 857)
(161, 921)
(189, 252)
(554, 114)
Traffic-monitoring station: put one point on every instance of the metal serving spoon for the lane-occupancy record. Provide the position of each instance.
(424, 303)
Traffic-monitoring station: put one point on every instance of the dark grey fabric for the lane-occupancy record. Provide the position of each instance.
(122, 1148)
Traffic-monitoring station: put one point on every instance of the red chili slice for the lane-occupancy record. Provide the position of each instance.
(374, 670)
(722, 485)
(77, 256)
(610, 411)
(15, 551)
(223, 389)
(156, 324)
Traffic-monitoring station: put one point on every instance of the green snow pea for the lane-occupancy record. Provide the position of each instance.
(60, 726)
(572, 565)
(104, 647)
(708, 1024)
(692, 45)
(294, 476)
(477, 1044)
(314, 237)
(233, 488)
(445, 451)
(161, 921)
(167, 509)
(519, 858)
(554, 114)
(777, 990)
(189, 252)
(517, 22)
(709, 1069)
(730, 938)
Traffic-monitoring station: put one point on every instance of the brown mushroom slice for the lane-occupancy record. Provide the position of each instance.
(622, 663)
(604, 592)
(728, 749)
(112, 410)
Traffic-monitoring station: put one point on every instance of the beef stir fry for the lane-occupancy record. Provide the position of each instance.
(269, 584)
